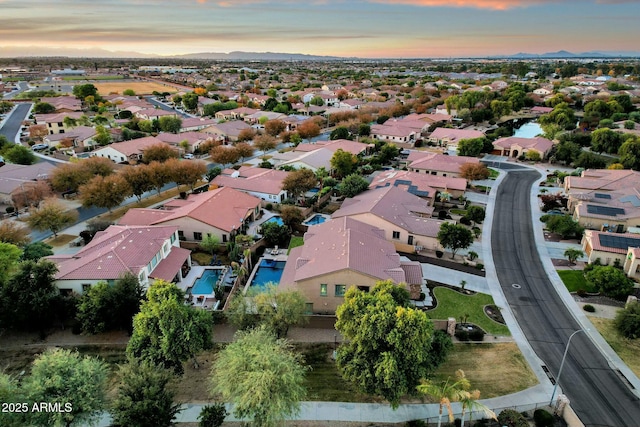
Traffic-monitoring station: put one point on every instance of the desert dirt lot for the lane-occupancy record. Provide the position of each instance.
(140, 88)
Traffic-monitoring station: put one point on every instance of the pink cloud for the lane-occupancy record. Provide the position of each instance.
(478, 4)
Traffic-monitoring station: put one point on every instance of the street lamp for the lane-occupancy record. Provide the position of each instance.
(566, 350)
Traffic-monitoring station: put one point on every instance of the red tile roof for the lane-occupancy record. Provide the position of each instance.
(171, 265)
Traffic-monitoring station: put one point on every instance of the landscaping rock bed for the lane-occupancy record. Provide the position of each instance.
(494, 314)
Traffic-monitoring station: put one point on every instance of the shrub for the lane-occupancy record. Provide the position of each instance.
(439, 254)
(422, 296)
(480, 266)
(465, 221)
(582, 293)
(462, 334)
(627, 321)
(269, 206)
(212, 415)
(543, 418)
(589, 308)
(476, 334)
(512, 418)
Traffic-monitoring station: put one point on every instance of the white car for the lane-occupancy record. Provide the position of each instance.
(37, 147)
(188, 156)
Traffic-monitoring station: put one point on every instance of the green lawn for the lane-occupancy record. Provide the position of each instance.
(493, 174)
(454, 304)
(71, 78)
(574, 281)
(458, 211)
(295, 242)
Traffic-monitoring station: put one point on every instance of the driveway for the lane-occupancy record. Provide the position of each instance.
(597, 393)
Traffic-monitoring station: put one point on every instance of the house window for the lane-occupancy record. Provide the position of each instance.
(224, 238)
(173, 238)
(396, 234)
(340, 290)
(308, 308)
(410, 241)
(323, 289)
(86, 287)
(197, 235)
(180, 234)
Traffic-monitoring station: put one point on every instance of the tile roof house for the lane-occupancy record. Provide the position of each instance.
(192, 124)
(631, 264)
(12, 177)
(195, 139)
(55, 122)
(265, 184)
(227, 131)
(221, 212)
(146, 252)
(404, 217)
(611, 210)
(437, 164)
(313, 160)
(154, 114)
(127, 151)
(603, 180)
(514, 146)
(63, 103)
(422, 185)
(446, 137)
(609, 247)
(342, 253)
(353, 147)
(80, 137)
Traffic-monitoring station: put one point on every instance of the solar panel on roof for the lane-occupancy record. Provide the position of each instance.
(633, 199)
(604, 210)
(618, 242)
(602, 196)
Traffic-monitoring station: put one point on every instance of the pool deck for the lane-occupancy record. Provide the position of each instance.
(273, 254)
(208, 301)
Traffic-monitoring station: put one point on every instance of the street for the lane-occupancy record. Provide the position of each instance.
(11, 127)
(597, 393)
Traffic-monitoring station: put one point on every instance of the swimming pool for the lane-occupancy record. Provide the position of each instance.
(277, 219)
(205, 284)
(315, 220)
(268, 271)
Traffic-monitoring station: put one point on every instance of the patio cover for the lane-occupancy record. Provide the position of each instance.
(171, 265)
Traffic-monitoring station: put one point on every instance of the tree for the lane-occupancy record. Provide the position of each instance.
(139, 179)
(213, 172)
(159, 175)
(105, 192)
(31, 194)
(627, 321)
(264, 143)
(567, 151)
(167, 332)
(605, 140)
(190, 101)
(474, 171)
(454, 237)
(212, 415)
(20, 155)
(51, 215)
(14, 233)
(77, 383)
(446, 392)
(171, 124)
(469, 401)
(275, 234)
(244, 150)
(9, 256)
(533, 156)
(343, 162)
(210, 243)
(69, 177)
(225, 154)
(291, 216)
(85, 90)
(340, 132)
(144, 398)
(299, 182)
(308, 129)
(630, 153)
(475, 214)
(5, 107)
(387, 343)
(262, 376)
(471, 147)
(35, 251)
(573, 254)
(388, 152)
(43, 108)
(610, 281)
(563, 225)
(279, 310)
(160, 152)
(246, 134)
(274, 127)
(588, 160)
(186, 172)
(352, 185)
(129, 92)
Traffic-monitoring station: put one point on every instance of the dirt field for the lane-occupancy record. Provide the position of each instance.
(140, 88)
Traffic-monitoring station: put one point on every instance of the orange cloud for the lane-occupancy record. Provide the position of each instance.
(478, 4)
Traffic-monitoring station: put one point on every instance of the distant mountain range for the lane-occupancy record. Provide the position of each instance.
(38, 51)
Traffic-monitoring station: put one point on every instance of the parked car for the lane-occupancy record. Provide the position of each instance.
(37, 147)
(188, 156)
(554, 212)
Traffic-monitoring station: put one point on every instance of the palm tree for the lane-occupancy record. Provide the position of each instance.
(573, 254)
(446, 392)
(470, 401)
(444, 196)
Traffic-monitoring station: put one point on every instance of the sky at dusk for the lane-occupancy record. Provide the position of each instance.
(367, 29)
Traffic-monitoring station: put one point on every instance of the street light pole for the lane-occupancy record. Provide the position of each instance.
(564, 356)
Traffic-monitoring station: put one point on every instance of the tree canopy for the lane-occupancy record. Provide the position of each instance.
(387, 343)
(352, 185)
(610, 281)
(51, 215)
(343, 162)
(627, 321)
(299, 182)
(454, 237)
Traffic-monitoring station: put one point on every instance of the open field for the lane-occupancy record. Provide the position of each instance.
(92, 78)
(140, 88)
(628, 350)
(454, 304)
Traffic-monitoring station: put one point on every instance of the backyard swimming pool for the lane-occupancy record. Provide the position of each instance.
(315, 220)
(204, 284)
(268, 271)
(277, 219)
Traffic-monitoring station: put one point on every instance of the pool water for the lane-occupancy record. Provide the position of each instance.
(277, 219)
(315, 220)
(268, 271)
(528, 130)
(205, 284)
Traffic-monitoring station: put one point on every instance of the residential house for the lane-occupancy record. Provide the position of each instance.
(194, 139)
(541, 110)
(235, 114)
(265, 184)
(79, 138)
(603, 180)
(260, 115)
(15, 177)
(437, 164)
(609, 211)
(514, 146)
(422, 185)
(446, 137)
(127, 151)
(194, 124)
(154, 114)
(609, 248)
(63, 104)
(340, 254)
(222, 212)
(226, 131)
(353, 147)
(404, 217)
(313, 160)
(631, 265)
(55, 122)
(146, 252)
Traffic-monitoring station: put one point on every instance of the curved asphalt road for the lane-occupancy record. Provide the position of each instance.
(597, 393)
